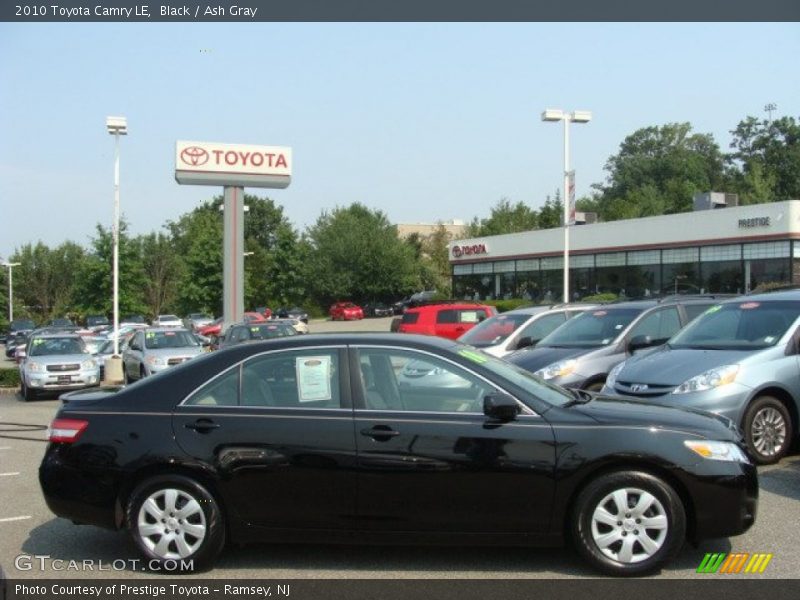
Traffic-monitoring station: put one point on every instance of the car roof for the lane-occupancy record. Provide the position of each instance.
(448, 305)
(163, 329)
(53, 334)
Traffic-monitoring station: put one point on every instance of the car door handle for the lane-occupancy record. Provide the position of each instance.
(380, 433)
(202, 425)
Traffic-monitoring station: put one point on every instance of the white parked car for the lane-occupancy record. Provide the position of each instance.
(167, 321)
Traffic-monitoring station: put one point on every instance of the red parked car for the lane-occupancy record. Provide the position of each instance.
(346, 311)
(212, 328)
(253, 317)
(448, 320)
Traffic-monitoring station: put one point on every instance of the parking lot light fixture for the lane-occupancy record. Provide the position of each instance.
(116, 126)
(10, 266)
(578, 116)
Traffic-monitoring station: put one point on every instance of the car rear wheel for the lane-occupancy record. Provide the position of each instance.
(628, 523)
(767, 429)
(175, 521)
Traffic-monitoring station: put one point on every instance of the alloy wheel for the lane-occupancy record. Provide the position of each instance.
(171, 524)
(768, 431)
(629, 525)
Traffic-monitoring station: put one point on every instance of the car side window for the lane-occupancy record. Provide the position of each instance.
(695, 310)
(447, 316)
(660, 324)
(542, 326)
(404, 380)
(292, 379)
(222, 391)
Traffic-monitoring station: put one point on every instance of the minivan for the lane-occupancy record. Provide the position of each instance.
(740, 359)
(581, 352)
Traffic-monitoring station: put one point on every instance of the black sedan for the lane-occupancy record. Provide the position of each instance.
(292, 313)
(394, 438)
(378, 309)
(245, 333)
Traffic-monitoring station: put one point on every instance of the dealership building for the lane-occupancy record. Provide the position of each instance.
(717, 248)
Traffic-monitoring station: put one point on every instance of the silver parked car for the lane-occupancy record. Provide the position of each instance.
(57, 362)
(740, 359)
(155, 349)
(502, 334)
(195, 321)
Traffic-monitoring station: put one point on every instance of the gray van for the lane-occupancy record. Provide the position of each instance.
(740, 359)
(581, 352)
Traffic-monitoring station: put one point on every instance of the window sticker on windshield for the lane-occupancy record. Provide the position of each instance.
(618, 326)
(38, 342)
(313, 378)
(150, 334)
(254, 329)
(769, 339)
(749, 305)
(713, 309)
(469, 316)
(605, 341)
(473, 356)
(600, 313)
(169, 333)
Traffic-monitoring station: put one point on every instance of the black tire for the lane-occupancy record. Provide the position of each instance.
(27, 393)
(650, 548)
(768, 431)
(207, 515)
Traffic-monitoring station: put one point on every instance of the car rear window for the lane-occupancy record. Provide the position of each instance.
(410, 318)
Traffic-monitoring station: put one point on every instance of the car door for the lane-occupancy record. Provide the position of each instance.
(277, 431)
(132, 357)
(429, 460)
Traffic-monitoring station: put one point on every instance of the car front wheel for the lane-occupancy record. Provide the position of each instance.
(628, 523)
(175, 521)
(767, 429)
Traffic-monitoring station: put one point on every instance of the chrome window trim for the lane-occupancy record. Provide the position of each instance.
(526, 410)
(240, 365)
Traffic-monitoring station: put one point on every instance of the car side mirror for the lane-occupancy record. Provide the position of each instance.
(500, 406)
(525, 342)
(638, 342)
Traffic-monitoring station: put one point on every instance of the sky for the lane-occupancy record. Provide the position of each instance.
(425, 121)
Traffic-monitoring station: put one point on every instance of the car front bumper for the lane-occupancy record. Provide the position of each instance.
(62, 381)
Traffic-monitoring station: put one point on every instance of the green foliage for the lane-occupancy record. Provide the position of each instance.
(552, 213)
(505, 218)
(93, 289)
(765, 163)
(604, 297)
(506, 305)
(9, 378)
(658, 170)
(354, 253)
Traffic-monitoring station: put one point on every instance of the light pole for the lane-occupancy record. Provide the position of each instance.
(116, 126)
(10, 266)
(578, 116)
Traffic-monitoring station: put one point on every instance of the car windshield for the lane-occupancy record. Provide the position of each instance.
(494, 330)
(549, 393)
(56, 345)
(261, 332)
(96, 321)
(197, 316)
(592, 328)
(154, 340)
(168, 318)
(743, 325)
(22, 324)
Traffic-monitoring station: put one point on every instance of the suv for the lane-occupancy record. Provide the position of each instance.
(502, 334)
(739, 359)
(581, 352)
(413, 301)
(449, 320)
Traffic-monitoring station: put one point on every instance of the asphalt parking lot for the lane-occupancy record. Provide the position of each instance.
(28, 528)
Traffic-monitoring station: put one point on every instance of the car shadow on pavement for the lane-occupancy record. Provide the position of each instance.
(782, 479)
(61, 540)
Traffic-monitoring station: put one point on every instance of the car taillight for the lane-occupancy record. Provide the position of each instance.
(66, 430)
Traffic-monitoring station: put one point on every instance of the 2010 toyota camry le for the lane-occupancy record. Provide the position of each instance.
(319, 439)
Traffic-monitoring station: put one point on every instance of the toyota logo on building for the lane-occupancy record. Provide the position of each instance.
(457, 251)
(194, 156)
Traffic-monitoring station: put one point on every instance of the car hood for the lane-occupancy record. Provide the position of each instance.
(541, 356)
(672, 366)
(170, 352)
(60, 359)
(610, 411)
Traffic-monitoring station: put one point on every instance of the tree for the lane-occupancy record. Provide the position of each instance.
(505, 218)
(435, 254)
(765, 163)
(658, 170)
(552, 213)
(45, 280)
(162, 269)
(93, 291)
(355, 253)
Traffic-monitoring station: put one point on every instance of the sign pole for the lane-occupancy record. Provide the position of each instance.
(233, 256)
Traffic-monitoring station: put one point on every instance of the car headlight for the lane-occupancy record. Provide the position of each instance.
(611, 380)
(35, 367)
(709, 380)
(559, 369)
(156, 361)
(88, 364)
(727, 451)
